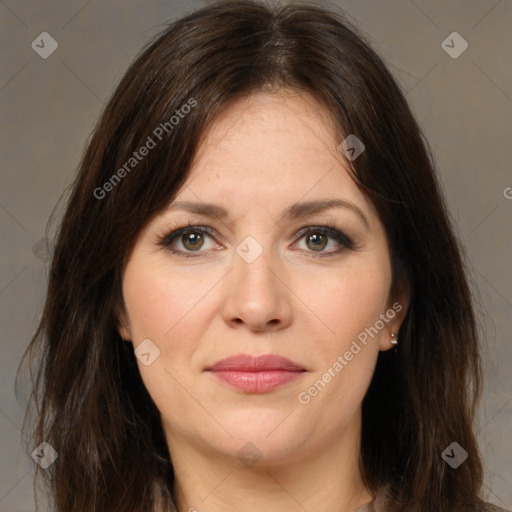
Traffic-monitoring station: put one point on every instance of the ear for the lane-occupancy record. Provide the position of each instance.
(398, 306)
(122, 323)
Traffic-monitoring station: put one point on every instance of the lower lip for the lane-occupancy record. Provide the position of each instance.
(257, 382)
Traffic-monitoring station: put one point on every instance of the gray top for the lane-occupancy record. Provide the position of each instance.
(381, 498)
(379, 504)
(375, 507)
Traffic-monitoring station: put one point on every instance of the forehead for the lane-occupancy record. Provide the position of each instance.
(271, 149)
(285, 140)
(272, 126)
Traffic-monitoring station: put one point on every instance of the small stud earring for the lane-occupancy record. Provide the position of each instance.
(394, 341)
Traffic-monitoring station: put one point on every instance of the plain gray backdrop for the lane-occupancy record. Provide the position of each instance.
(463, 101)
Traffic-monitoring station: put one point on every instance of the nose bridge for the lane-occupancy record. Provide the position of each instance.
(254, 262)
(256, 295)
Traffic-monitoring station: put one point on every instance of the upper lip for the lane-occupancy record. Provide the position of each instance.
(248, 363)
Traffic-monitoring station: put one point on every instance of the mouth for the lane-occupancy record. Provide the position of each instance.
(256, 374)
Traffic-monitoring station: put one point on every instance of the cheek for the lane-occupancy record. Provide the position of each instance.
(159, 302)
(345, 304)
(346, 346)
(347, 327)
(166, 308)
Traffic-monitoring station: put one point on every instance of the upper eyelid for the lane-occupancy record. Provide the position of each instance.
(167, 239)
(171, 225)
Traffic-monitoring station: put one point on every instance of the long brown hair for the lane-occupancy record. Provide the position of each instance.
(89, 402)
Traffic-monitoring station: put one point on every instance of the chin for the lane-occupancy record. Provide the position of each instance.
(271, 442)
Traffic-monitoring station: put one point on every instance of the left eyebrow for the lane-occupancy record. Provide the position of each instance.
(295, 211)
(301, 210)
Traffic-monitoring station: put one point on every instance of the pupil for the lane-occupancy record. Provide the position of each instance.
(189, 240)
(317, 237)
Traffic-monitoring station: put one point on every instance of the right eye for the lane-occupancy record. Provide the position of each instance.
(190, 237)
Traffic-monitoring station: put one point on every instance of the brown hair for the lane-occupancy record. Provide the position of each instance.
(89, 400)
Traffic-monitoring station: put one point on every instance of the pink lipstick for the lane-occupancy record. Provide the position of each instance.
(256, 374)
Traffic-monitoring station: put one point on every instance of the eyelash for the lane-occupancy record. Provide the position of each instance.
(328, 230)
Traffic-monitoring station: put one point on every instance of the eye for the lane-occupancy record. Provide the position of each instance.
(317, 238)
(192, 240)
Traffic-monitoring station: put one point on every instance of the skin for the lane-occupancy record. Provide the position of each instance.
(261, 155)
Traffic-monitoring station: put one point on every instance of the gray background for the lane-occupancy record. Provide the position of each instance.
(49, 106)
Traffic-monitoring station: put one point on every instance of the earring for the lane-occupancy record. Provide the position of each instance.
(394, 341)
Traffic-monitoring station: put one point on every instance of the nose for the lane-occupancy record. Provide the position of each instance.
(256, 294)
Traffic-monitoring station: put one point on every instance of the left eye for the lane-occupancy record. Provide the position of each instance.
(192, 239)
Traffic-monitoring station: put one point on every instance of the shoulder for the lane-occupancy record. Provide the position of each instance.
(382, 503)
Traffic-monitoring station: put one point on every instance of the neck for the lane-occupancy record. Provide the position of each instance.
(323, 478)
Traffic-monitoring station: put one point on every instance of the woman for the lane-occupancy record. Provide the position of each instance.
(257, 300)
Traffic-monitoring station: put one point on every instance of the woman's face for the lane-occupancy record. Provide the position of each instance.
(257, 283)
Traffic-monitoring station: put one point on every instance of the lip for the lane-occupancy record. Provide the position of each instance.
(256, 374)
(248, 363)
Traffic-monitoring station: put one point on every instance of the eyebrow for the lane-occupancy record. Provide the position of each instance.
(295, 211)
